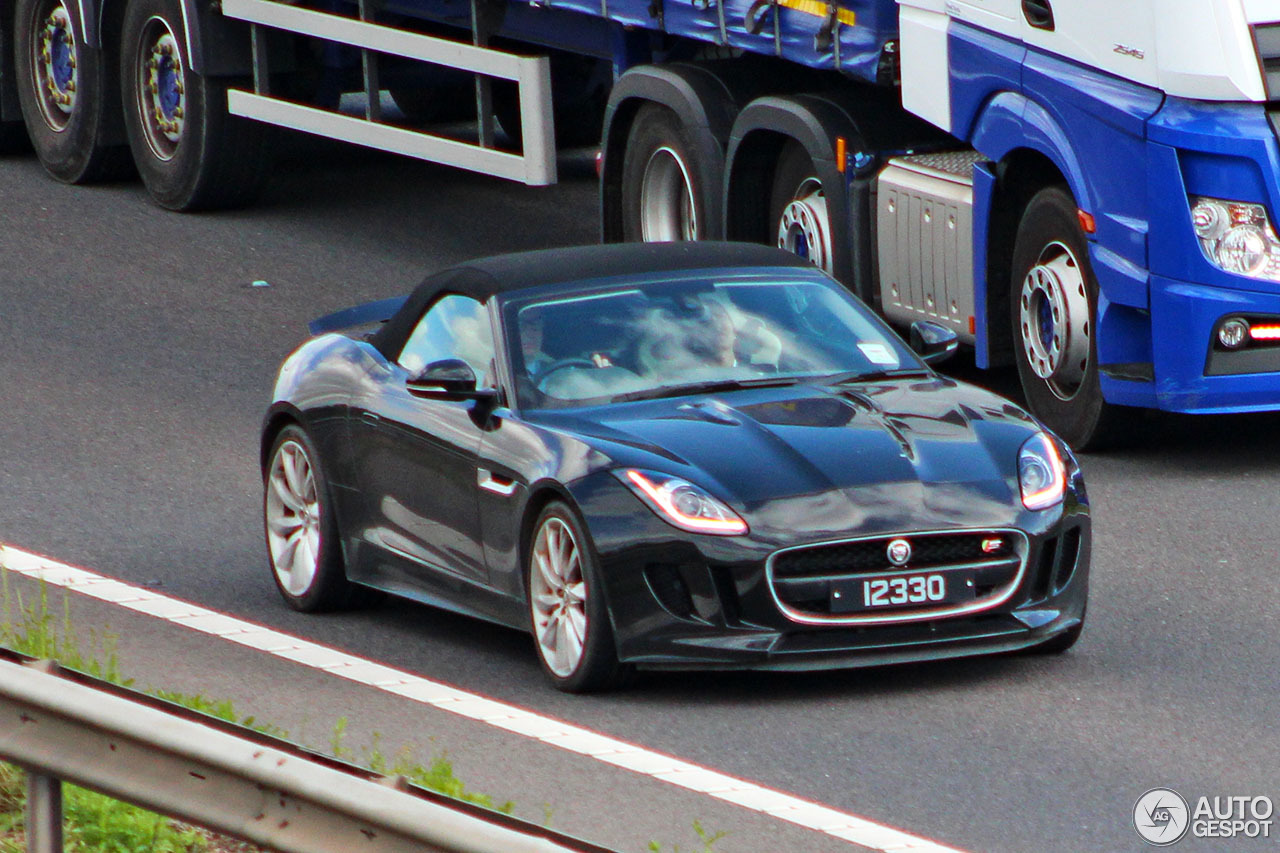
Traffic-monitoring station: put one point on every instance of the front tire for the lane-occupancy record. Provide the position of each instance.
(568, 616)
(192, 154)
(303, 541)
(1054, 314)
(69, 95)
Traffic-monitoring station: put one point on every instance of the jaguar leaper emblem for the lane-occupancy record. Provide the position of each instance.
(898, 552)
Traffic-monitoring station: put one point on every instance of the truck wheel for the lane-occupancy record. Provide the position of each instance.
(69, 95)
(798, 208)
(661, 174)
(1054, 308)
(190, 152)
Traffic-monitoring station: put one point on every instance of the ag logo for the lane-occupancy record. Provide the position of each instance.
(898, 552)
(1161, 817)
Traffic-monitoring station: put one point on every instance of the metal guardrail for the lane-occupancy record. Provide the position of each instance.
(63, 726)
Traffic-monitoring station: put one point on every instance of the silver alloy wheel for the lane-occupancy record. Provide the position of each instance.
(1054, 320)
(54, 61)
(558, 597)
(161, 87)
(804, 228)
(667, 210)
(293, 518)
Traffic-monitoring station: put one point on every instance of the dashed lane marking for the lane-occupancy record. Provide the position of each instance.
(512, 718)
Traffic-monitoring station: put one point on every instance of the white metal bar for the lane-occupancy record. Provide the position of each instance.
(536, 166)
(423, 146)
(276, 797)
(324, 25)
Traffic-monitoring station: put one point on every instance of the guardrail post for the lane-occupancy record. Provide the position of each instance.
(44, 813)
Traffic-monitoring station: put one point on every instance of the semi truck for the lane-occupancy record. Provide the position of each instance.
(1080, 188)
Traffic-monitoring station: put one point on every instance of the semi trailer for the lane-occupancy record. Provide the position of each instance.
(1080, 188)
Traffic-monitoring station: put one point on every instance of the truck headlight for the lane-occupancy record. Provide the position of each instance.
(1237, 236)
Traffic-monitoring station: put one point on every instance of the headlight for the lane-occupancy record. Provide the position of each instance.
(1237, 236)
(682, 504)
(1041, 476)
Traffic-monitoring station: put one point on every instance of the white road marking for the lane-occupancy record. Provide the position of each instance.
(548, 730)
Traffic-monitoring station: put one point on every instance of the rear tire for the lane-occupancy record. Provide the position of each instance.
(568, 616)
(303, 541)
(798, 213)
(1054, 313)
(661, 179)
(69, 94)
(192, 154)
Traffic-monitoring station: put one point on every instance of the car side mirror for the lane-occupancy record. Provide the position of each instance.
(934, 343)
(448, 379)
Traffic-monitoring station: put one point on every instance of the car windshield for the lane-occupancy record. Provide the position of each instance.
(669, 338)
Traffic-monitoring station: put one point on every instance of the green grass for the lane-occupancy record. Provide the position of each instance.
(95, 823)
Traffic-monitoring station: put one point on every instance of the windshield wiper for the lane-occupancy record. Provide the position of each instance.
(875, 375)
(708, 387)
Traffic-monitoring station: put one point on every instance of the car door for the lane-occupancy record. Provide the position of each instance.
(416, 457)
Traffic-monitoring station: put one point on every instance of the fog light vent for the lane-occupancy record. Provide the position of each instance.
(669, 588)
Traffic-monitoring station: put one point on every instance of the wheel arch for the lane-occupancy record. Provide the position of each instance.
(759, 133)
(1019, 175)
(277, 418)
(705, 104)
(541, 494)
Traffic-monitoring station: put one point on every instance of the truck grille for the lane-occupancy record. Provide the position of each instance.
(808, 581)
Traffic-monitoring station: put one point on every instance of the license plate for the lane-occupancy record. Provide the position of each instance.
(888, 592)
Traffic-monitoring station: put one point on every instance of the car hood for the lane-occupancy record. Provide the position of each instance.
(894, 455)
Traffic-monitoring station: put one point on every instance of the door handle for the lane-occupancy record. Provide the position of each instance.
(1039, 14)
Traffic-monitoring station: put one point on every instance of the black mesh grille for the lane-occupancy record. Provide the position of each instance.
(871, 555)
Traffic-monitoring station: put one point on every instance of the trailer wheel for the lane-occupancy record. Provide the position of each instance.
(190, 152)
(69, 94)
(1054, 311)
(798, 208)
(661, 176)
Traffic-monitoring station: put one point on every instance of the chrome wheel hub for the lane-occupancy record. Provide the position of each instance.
(293, 518)
(1054, 321)
(558, 597)
(667, 210)
(55, 68)
(162, 94)
(804, 228)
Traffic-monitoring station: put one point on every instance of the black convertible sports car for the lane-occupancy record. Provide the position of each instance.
(679, 455)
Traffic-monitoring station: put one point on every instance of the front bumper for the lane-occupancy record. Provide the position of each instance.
(683, 601)
(1187, 316)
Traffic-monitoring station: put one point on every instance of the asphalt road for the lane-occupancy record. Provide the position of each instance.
(137, 359)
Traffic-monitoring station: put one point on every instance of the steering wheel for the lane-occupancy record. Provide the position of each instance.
(561, 364)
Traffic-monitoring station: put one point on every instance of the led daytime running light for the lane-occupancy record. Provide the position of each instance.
(662, 498)
(1052, 493)
(1265, 333)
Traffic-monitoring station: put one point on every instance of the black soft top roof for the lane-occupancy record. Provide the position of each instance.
(485, 277)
